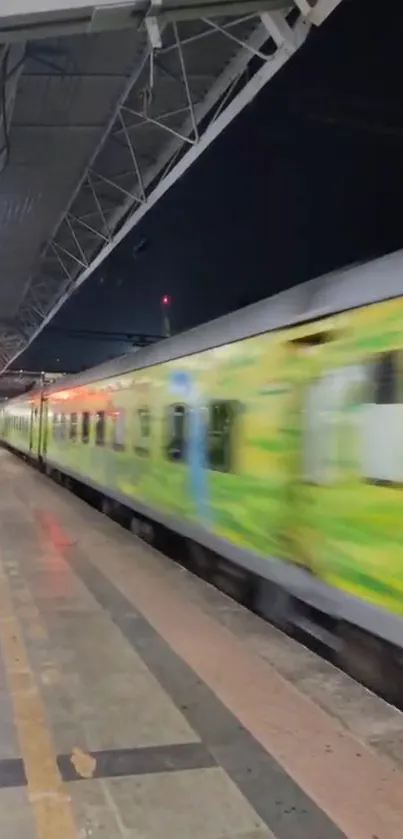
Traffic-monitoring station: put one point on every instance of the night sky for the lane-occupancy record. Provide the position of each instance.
(307, 179)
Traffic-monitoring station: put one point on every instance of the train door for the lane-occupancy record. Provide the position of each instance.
(313, 454)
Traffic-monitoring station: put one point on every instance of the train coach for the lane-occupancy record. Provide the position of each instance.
(272, 441)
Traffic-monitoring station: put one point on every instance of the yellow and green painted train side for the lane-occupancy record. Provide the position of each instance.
(287, 445)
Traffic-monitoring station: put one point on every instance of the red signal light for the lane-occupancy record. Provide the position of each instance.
(166, 300)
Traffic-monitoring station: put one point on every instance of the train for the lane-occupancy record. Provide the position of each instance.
(271, 442)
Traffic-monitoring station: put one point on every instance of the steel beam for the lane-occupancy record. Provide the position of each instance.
(24, 20)
(322, 10)
(11, 66)
(316, 11)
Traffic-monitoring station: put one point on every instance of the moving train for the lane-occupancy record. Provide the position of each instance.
(272, 441)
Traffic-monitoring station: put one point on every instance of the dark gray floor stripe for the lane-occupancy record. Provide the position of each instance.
(149, 760)
(273, 794)
(114, 763)
(12, 773)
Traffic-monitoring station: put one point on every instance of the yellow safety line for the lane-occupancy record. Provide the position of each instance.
(48, 797)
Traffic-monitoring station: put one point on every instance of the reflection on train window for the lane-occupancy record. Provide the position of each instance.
(55, 426)
(220, 435)
(73, 426)
(385, 379)
(118, 430)
(382, 422)
(63, 420)
(100, 428)
(175, 445)
(85, 427)
(143, 431)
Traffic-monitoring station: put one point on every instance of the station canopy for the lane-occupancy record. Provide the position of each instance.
(103, 107)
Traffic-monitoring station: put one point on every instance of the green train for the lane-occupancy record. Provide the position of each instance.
(272, 440)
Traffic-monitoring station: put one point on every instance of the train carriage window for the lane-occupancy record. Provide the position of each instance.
(385, 379)
(73, 426)
(85, 427)
(55, 426)
(220, 435)
(63, 426)
(382, 421)
(118, 430)
(175, 437)
(143, 431)
(100, 428)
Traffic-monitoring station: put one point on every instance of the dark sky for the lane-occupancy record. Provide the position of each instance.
(307, 179)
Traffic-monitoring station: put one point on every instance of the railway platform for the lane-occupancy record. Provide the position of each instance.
(136, 702)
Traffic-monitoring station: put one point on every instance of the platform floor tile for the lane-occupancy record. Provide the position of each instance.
(201, 804)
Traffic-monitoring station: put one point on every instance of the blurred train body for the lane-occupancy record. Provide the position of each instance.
(271, 439)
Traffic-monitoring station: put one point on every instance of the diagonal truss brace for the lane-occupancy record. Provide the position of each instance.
(317, 11)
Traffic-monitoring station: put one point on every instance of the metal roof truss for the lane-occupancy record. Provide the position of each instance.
(181, 95)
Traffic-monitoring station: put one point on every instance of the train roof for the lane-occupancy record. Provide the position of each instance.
(340, 290)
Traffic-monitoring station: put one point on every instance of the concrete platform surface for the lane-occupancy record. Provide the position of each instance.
(136, 702)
